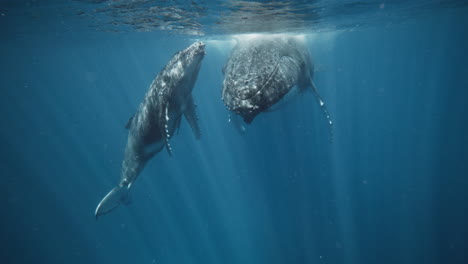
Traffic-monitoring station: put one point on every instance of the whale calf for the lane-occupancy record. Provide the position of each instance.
(168, 99)
(265, 69)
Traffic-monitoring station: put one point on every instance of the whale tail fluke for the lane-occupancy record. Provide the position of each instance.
(118, 195)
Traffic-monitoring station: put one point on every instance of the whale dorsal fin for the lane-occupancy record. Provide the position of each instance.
(191, 117)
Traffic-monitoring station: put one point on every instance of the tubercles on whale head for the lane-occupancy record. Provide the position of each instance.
(196, 49)
(192, 56)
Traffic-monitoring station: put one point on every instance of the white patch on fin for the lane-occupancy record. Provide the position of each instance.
(167, 114)
(166, 130)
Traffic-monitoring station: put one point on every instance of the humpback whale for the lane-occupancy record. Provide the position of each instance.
(159, 115)
(264, 70)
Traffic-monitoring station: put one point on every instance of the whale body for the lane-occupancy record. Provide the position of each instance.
(265, 69)
(168, 98)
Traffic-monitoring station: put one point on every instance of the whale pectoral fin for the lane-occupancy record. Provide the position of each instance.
(129, 123)
(165, 128)
(168, 147)
(178, 124)
(191, 117)
(236, 121)
(323, 107)
(112, 200)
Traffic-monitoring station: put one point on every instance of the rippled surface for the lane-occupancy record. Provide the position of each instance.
(214, 17)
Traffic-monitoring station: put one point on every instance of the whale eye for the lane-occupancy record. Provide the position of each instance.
(246, 82)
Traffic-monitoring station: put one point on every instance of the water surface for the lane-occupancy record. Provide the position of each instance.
(390, 188)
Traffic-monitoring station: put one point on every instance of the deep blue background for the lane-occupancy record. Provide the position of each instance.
(391, 188)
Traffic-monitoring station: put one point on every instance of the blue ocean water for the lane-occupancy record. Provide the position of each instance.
(391, 187)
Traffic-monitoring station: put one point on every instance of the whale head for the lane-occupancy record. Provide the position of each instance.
(190, 58)
(259, 72)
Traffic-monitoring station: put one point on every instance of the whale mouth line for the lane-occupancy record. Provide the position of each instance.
(247, 96)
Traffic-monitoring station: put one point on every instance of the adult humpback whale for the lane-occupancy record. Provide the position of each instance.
(264, 69)
(159, 115)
